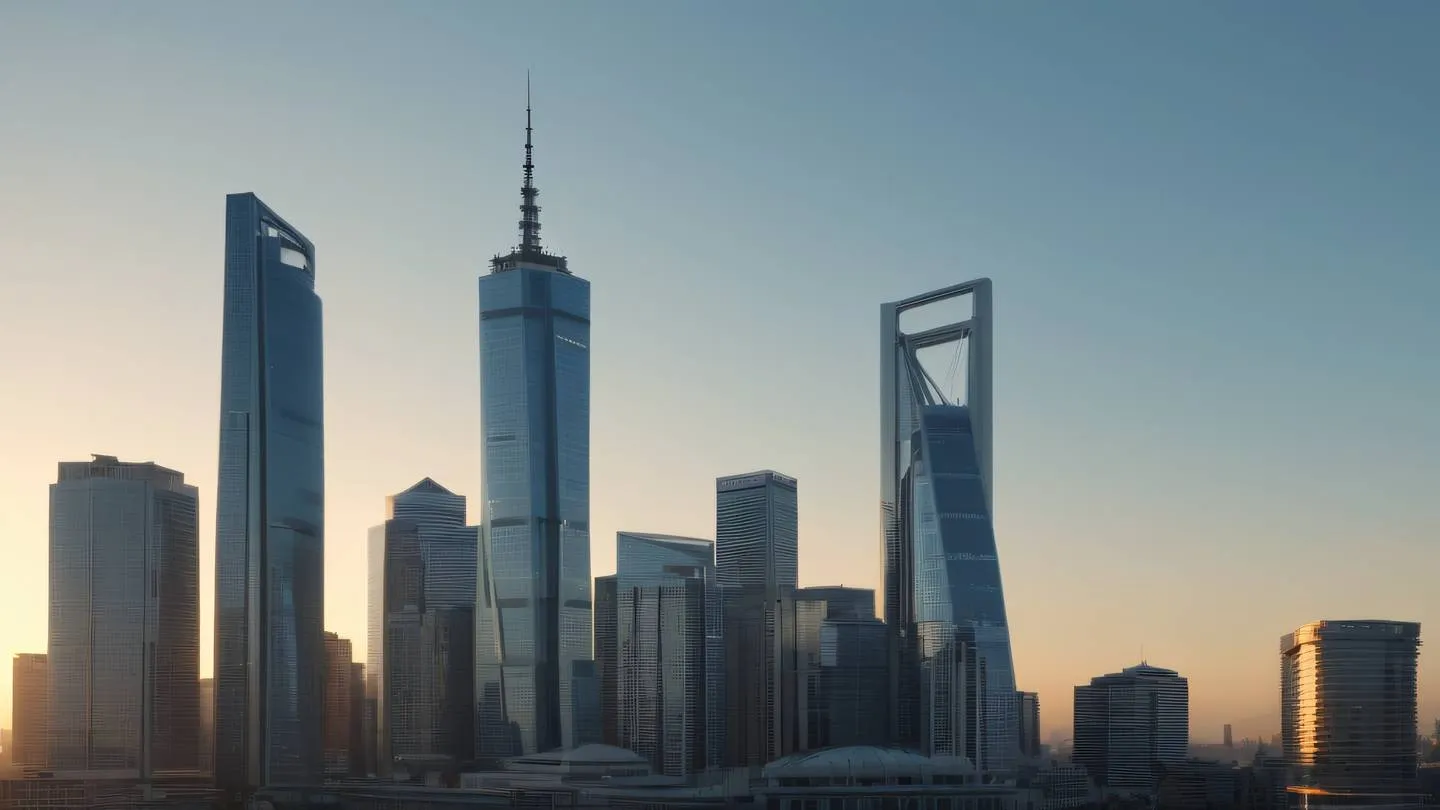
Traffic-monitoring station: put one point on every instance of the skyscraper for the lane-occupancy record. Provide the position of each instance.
(1131, 724)
(757, 532)
(1348, 712)
(952, 679)
(757, 565)
(337, 705)
(1028, 706)
(30, 710)
(607, 657)
(669, 651)
(827, 676)
(124, 660)
(270, 508)
(422, 608)
(533, 622)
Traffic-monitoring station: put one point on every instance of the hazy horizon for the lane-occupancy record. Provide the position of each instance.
(1210, 229)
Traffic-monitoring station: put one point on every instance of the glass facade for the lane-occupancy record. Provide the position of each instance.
(270, 510)
(669, 663)
(1348, 711)
(29, 742)
(533, 618)
(1130, 726)
(951, 672)
(757, 566)
(124, 636)
(337, 705)
(757, 532)
(423, 568)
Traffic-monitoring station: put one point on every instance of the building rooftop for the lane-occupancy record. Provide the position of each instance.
(865, 761)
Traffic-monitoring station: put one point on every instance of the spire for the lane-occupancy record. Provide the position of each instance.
(529, 211)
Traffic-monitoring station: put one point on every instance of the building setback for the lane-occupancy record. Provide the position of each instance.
(124, 636)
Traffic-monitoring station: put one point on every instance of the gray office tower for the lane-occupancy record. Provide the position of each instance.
(533, 618)
(842, 680)
(952, 677)
(270, 509)
(757, 564)
(124, 662)
(665, 642)
(1027, 704)
(1130, 725)
(419, 643)
(1348, 713)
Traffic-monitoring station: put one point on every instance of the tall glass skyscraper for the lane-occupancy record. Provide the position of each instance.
(757, 565)
(533, 613)
(270, 510)
(1348, 713)
(953, 681)
(420, 644)
(124, 663)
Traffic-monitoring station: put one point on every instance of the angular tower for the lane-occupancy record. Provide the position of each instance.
(270, 509)
(533, 612)
(952, 680)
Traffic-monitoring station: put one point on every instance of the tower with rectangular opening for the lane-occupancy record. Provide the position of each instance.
(270, 509)
(952, 682)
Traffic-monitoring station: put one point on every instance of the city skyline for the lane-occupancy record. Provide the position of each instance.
(1199, 527)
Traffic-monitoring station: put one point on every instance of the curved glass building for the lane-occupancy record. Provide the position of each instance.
(1348, 713)
(952, 680)
(533, 607)
(270, 508)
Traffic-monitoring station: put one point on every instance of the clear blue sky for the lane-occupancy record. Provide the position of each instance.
(1211, 226)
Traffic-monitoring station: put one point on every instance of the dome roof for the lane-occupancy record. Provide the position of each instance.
(863, 760)
(597, 753)
(586, 758)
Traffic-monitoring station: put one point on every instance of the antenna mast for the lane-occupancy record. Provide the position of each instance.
(529, 211)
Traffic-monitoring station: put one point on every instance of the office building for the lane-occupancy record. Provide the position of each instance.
(1130, 726)
(842, 679)
(757, 532)
(422, 630)
(30, 710)
(757, 564)
(1229, 737)
(270, 509)
(207, 726)
(534, 630)
(124, 649)
(361, 738)
(338, 697)
(953, 680)
(607, 657)
(1348, 712)
(669, 668)
(1027, 704)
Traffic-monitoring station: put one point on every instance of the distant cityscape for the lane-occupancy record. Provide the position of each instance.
(498, 671)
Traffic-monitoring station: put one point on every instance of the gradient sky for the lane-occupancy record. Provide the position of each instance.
(1211, 227)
